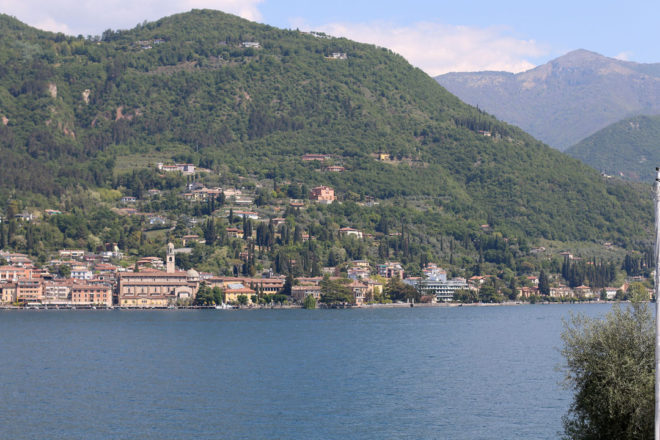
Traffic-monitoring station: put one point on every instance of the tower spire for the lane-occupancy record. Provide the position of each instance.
(170, 258)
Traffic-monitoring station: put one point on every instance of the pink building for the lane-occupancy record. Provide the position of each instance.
(323, 194)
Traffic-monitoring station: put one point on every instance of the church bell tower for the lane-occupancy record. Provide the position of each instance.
(170, 258)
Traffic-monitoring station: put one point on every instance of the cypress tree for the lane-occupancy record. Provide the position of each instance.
(544, 284)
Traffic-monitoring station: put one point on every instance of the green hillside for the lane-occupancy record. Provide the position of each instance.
(83, 112)
(629, 149)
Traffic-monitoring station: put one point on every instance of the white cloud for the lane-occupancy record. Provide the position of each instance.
(624, 56)
(48, 24)
(439, 48)
(90, 17)
(243, 8)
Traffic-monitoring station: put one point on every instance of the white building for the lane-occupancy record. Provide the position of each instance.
(441, 288)
(81, 273)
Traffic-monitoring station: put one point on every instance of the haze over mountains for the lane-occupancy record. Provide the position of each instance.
(565, 100)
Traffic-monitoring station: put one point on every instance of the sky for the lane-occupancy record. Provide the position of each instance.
(437, 36)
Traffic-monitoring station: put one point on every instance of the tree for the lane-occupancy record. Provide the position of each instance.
(336, 291)
(466, 296)
(242, 299)
(544, 284)
(637, 290)
(218, 295)
(489, 294)
(210, 232)
(610, 366)
(279, 298)
(204, 296)
(397, 290)
(309, 302)
(288, 283)
(64, 270)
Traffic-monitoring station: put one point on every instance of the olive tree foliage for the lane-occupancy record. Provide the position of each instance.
(609, 364)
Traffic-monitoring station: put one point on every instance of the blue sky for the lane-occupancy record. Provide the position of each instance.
(437, 36)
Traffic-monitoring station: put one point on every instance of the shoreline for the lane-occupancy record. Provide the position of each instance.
(45, 307)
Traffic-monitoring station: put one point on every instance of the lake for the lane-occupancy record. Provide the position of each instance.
(404, 373)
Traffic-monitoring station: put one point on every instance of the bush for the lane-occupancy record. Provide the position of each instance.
(610, 366)
(309, 302)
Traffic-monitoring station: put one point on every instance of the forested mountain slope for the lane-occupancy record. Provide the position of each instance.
(629, 149)
(249, 100)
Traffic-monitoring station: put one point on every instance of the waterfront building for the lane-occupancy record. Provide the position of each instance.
(29, 290)
(439, 286)
(360, 291)
(57, 292)
(234, 290)
(266, 286)
(156, 288)
(8, 293)
(91, 294)
(299, 293)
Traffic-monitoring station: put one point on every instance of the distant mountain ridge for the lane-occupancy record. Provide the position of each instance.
(628, 149)
(565, 100)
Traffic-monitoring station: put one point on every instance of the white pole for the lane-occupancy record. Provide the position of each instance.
(657, 304)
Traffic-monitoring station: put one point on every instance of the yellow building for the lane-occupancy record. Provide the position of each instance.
(233, 291)
(156, 288)
(8, 293)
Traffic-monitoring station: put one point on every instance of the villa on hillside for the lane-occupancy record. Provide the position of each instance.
(185, 168)
(323, 194)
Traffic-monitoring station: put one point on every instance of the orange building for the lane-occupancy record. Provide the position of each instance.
(91, 294)
(323, 194)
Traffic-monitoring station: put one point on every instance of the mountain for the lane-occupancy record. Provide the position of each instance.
(565, 100)
(246, 100)
(627, 148)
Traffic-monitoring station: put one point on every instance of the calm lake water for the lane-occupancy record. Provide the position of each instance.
(421, 373)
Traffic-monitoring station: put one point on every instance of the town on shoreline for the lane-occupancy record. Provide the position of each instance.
(93, 282)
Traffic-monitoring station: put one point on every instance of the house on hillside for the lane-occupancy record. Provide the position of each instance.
(335, 169)
(350, 232)
(310, 157)
(234, 232)
(323, 194)
(391, 270)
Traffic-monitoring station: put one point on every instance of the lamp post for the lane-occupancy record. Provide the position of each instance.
(657, 303)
